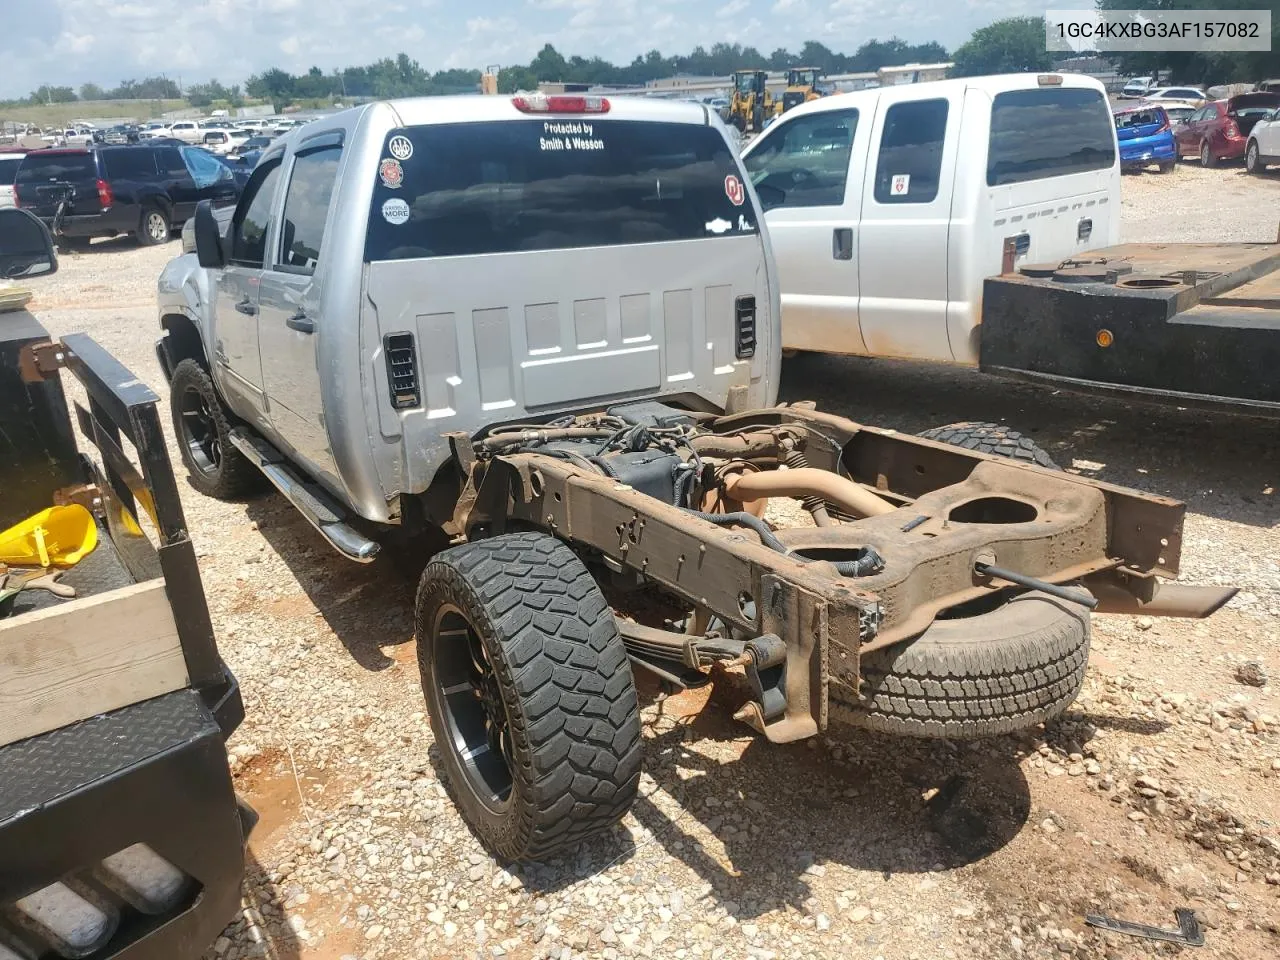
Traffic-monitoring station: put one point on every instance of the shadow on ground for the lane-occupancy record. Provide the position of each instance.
(1221, 465)
(367, 606)
(267, 936)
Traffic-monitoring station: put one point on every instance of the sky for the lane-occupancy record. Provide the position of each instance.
(70, 42)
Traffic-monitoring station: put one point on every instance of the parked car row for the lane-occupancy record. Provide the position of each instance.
(1244, 126)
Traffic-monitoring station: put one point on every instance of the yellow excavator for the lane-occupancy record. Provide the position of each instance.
(752, 104)
(802, 86)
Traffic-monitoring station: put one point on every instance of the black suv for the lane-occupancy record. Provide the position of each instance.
(104, 191)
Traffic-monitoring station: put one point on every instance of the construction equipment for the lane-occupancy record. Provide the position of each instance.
(752, 103)
(802, 86)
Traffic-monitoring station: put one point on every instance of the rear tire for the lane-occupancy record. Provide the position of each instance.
(530, 693)
(1253, 159)
(992, 438)
(1166, 166)
(216, 468)
(153, 227)
(1018, 665)
(1207, 159)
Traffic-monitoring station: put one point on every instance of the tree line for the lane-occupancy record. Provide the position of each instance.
(403, 76)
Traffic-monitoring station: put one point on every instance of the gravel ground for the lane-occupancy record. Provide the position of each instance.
(1158, 790)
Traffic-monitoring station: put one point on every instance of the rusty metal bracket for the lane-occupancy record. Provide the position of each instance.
(86, 494)
(38, 362)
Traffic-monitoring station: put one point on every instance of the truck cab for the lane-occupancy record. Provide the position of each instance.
(402, 270)
(888, 208)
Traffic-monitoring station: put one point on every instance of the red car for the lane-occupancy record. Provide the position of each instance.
(1220, 130)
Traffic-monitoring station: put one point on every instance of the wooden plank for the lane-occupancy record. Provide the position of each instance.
(87, 657)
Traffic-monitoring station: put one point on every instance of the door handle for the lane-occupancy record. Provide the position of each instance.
(247, 307)
(301, 322)
(842, 243)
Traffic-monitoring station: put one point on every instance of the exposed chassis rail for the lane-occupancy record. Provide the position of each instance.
(956, 511)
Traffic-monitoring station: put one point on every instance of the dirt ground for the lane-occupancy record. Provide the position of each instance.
(1160, 789)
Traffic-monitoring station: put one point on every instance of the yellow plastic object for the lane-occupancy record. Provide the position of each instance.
(57, 537)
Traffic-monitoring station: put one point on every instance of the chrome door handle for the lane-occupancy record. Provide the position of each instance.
(301, 322)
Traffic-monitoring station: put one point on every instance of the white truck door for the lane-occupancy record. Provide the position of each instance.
(906, 213)
(289, 305)
(238, 365)
(801, 171)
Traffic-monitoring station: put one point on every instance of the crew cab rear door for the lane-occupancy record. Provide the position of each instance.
(289, 302)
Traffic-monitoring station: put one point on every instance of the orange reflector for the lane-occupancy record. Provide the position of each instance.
(1105, 338)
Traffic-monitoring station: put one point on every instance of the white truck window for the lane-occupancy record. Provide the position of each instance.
(459, 189)
(1041, 133)
(306, 205)
(910, 160)
(249, 227)
(804, 163)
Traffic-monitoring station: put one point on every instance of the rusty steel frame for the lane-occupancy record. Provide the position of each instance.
(1082, 530)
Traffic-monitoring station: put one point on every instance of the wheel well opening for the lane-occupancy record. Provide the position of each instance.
(182, 341)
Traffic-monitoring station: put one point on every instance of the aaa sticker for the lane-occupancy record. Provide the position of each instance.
(391, 173)
(734, 190)
(395, 211)
(400, 147)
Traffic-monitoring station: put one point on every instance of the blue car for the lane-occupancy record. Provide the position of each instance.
(1145, 136)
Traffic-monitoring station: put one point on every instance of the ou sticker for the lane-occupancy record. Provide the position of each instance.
(900, 184)
(734, 190)
(395, 211)
(400, 147)
(391, 173)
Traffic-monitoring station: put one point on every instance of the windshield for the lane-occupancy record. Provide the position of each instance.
(746, 82)
(497, 187)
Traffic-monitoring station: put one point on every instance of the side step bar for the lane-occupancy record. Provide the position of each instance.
(312, 502)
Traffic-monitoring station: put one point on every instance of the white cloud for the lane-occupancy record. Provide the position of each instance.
(788, 6)
(733, 8)
(289, 46)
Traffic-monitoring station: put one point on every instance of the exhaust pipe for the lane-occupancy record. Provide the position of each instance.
(847, 496)
(1171, 600)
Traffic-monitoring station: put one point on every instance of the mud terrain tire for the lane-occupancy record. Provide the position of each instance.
(520, 619)
(992, 438)
(203, 430)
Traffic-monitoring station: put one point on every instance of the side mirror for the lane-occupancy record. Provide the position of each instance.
(208, 239)
(26, 246)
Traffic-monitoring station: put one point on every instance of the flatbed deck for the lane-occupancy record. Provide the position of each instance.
(1192, 324)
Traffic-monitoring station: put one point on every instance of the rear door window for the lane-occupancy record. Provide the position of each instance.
(9, 170)
(804, 163)
(1048, 132)
(306, 206)
(495, 187)
(910, 160)
(38, 168)
(129, 163)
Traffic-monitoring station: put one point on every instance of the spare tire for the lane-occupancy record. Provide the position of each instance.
(980, 676)
(992, 438)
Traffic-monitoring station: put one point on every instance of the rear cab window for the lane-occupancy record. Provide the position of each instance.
(43, 167)
(9, 170)
(1048, 132)
(460, 189)
(805, 161)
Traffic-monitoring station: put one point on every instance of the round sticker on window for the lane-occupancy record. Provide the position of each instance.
(391, 173)
(734, 190)
(400, 147)
(395, 211)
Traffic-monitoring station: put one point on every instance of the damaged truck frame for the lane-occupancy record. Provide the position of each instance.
(431, 318)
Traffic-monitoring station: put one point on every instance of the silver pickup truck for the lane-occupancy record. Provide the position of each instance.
(544, 330)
